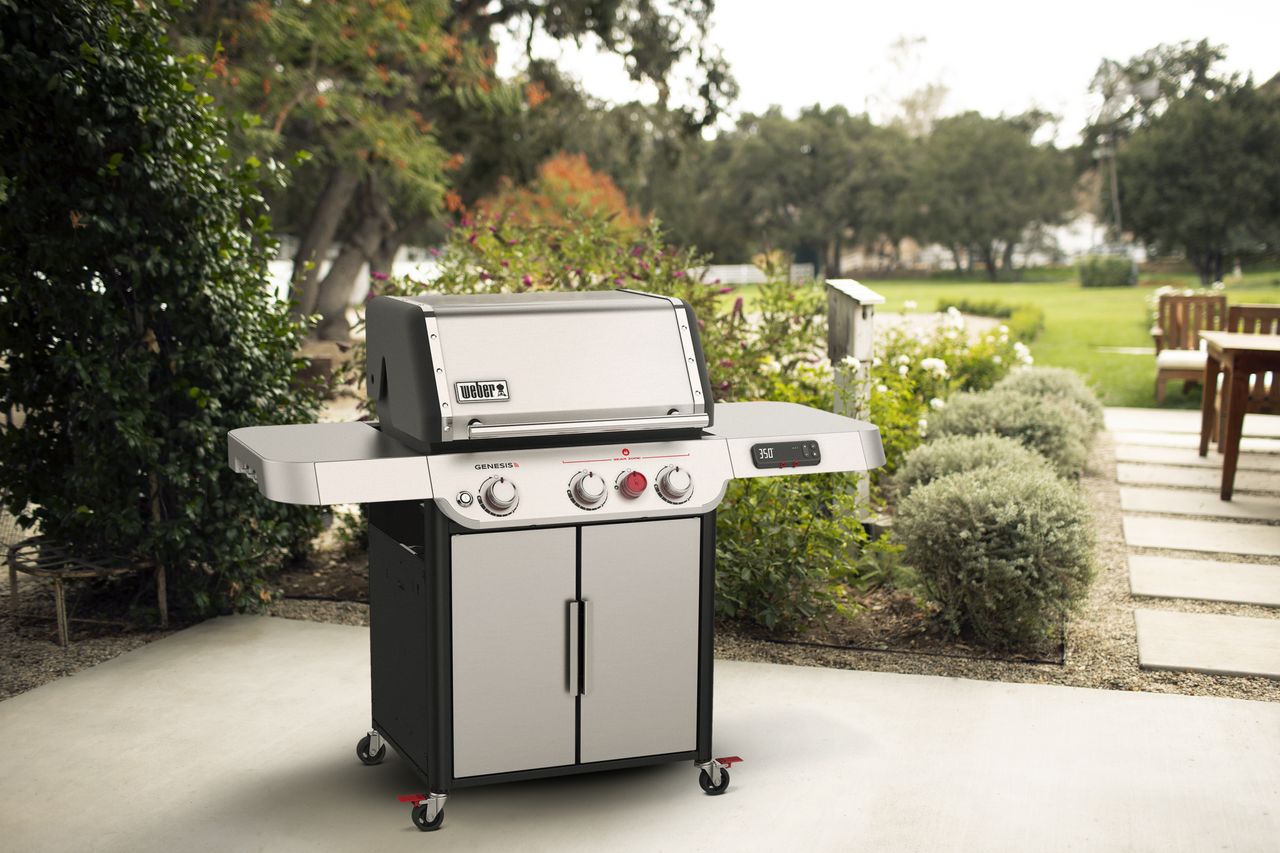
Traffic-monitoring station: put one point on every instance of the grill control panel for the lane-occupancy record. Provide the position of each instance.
(544, 486)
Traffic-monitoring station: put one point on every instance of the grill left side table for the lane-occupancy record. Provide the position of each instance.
(42, 557)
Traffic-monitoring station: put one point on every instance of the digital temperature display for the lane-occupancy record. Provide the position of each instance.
(785, 454)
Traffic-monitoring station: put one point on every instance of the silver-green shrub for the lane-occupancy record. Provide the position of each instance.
(1059, 382)
(1004, 552)
(955, 453)
(1057, 429)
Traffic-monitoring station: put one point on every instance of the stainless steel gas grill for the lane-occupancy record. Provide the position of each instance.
(542, 490)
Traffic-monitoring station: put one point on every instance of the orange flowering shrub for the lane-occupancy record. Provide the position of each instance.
(566, 189)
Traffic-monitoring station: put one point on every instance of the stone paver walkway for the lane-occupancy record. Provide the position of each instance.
(1187, 544)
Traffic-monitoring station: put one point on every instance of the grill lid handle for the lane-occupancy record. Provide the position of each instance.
(481, 430)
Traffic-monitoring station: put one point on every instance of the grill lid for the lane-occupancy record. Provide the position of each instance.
(518, 366)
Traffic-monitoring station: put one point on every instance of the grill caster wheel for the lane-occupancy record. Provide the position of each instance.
(420, 818)
(704, 782)
(362, 752)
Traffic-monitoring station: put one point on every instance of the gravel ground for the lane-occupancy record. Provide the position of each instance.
(1101, 648)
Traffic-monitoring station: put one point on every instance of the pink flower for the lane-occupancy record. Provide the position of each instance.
(435, 253)
(637, 251)
(484, 276)
(618, 281)
(726, 290)
(726, 362)
(506, 263)
(679, 273)
(378, 276)
(526, 280)
(717, 281)
(466, 222)
(472, 238)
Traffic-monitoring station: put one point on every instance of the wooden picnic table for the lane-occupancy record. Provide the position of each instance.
(1237, 356)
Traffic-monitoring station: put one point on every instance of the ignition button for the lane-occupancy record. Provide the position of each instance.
(464, 499)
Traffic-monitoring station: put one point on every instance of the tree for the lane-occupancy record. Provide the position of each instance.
(1135, 92)
(375, 88)
(136, 326)
(1203, 177)
(979, 184)
(810, 184)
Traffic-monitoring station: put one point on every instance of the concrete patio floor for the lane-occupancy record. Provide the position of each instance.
(239, 735)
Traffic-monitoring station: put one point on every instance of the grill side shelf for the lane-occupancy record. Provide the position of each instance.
(838, 444)
(328, 464)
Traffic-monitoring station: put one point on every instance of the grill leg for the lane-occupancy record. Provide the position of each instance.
(60, 604)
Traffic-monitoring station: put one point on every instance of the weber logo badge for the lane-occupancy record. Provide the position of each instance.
(482, 391)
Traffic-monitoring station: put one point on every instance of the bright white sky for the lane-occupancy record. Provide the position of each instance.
(994, 57)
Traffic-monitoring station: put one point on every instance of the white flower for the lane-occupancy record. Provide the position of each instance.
(936, 366)
(850, 361)
(954, 319)
(875, 361)
(1002, 329)
(1004, 339)
(903, 359)
(1020, 348)
(909, 305)
(882, 388)
(902, 370)
(996, 359)
(1028, 361)
(924, 427)
(937, 404)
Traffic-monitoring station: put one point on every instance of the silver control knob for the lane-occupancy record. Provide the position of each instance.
(588, 490)
(499, 496)
(674, 484)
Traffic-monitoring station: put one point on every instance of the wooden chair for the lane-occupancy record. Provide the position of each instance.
(1179, 320)
(1264, 388)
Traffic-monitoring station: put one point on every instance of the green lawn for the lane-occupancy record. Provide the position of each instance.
(1079, 320)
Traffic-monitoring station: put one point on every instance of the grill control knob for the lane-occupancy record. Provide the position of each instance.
(499, 496)
(587, 490)
(632, 484)
(674, 484)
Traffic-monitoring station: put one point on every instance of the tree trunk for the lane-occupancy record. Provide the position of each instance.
(360, 247)
(1008, 261)
(955, 253)
(989, 259)
(835, 259)
(304, 290)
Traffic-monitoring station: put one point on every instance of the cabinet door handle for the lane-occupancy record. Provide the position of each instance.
(573, 647)
(584, 664)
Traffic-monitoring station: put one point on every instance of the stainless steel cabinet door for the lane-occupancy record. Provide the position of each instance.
(512, 708)
(640, 585)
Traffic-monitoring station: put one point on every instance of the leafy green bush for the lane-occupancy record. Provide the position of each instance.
(1108, 271)
(1004, 552)
(955, 453)
(786, 548)
(138, 324)
(1058, 429)
(1025, 322)
(912, 375)
(1060, 382)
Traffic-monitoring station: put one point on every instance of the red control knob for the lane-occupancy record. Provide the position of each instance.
(632, 484)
